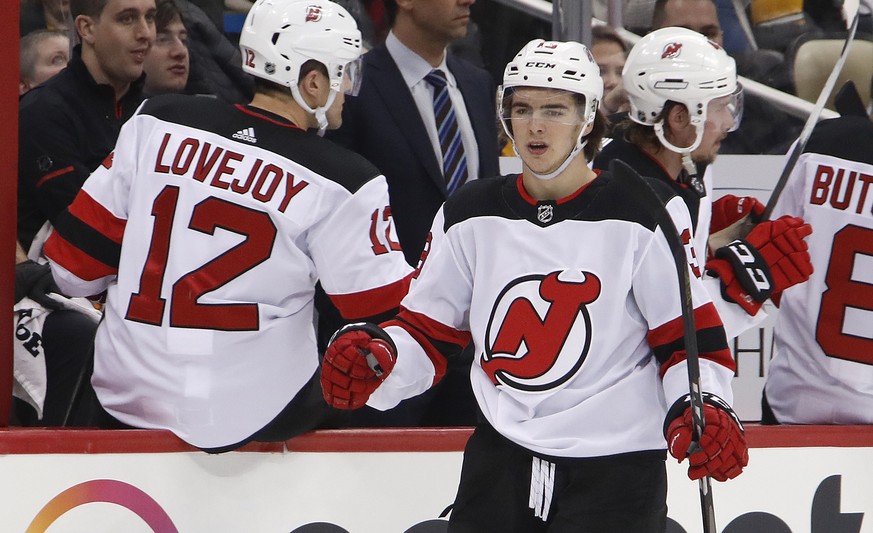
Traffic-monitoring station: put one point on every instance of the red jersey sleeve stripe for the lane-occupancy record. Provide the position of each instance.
(433, 329)
(371, 302)
(705, 317)
(437, 340)
(75, 260)
(89, 211)
(55, 174)
(668, 342)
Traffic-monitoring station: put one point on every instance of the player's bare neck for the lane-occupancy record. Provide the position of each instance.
(561, 186)
(282, 105)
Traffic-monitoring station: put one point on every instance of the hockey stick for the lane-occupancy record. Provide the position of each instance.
(813, 118)
(640, 190)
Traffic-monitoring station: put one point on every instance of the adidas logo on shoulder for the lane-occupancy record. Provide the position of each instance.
(247, 134)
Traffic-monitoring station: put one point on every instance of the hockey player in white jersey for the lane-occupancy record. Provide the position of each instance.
(685, 99)
(822, 369)
(568, 291)
(208, 228)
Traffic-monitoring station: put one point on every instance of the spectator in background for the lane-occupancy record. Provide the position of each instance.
(42, 54)
(392, 123)
(610, 52)
(69, 125)
(53, 344)
(166, 66)
(215, 62)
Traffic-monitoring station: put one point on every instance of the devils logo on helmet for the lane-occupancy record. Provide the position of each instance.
(671, 51)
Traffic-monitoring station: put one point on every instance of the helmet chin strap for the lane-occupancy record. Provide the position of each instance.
(319, 112)
(698, 137)
(569, 159)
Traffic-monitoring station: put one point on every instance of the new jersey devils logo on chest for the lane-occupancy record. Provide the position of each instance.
(539, 331)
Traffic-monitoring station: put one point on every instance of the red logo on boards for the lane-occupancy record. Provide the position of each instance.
(313, 14)
(671, 51)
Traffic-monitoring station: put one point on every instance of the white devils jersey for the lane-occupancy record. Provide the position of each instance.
(735, 319)
(574, 311)
(209, 227)
(822, 371)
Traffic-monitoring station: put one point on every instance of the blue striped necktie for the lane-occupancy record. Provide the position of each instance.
(454, 160)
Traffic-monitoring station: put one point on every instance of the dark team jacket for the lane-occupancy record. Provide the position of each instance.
(67, 126)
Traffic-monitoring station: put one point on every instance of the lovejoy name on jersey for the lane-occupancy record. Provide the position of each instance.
(217, 166)
(841, 188)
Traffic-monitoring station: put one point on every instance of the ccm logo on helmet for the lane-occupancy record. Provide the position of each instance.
(539, 64)
(313, 14)
(671, 51)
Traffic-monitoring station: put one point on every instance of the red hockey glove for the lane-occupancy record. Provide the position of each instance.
(359, 357)
(722, 452)
(730, 209)
(730, 216)
(772, 258)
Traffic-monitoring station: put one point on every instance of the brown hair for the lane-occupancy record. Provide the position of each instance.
(644, 136)
(89, 8)
(609, 35)
(166, 12)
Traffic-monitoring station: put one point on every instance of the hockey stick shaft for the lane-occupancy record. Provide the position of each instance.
(811, 121)
(645, 195)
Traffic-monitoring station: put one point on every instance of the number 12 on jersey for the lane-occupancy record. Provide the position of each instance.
(147, 305)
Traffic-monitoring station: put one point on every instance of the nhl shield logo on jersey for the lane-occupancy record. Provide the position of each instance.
(545, 212)
(539, 331)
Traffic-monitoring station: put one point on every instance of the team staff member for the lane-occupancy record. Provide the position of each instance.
(209, 226)
(69, 125)
(560, 280)
(684, 99)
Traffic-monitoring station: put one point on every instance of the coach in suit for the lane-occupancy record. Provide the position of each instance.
(391, 122)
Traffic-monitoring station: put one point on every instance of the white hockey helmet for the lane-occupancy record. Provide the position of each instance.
(567, 66)
(279, 36)
(680, 65)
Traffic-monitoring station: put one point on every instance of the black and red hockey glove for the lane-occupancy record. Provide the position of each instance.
(722, 452)
(770, 259)
(358, 359)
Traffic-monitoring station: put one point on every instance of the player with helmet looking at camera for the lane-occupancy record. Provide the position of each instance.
(559, 279)
(685, 99)
(208, 228)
